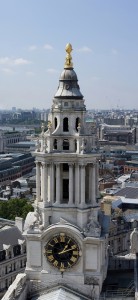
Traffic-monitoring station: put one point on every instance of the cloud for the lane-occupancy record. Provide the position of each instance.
(4, 60)
(48, 47)
(8, 71)
(114, 51)
(32, 48)
(13, 62)
(21, 61)
(52, 71)
(84, 49)
(30, 74)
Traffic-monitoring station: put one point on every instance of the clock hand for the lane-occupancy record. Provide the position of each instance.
(65, 250)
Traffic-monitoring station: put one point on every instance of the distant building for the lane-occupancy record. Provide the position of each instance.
(117, 134)
(15, 165)
(12, 254)
(8, 138)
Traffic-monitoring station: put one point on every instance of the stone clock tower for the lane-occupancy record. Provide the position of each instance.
(65, 244)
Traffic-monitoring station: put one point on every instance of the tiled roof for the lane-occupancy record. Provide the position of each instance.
(9, 235)
(128, 192)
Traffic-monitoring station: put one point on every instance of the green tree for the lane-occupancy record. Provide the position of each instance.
(15, 208)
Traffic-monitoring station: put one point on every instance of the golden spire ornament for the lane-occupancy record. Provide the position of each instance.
(68, 60)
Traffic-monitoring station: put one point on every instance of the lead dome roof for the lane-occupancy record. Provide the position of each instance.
(68, 74)
(68, 85)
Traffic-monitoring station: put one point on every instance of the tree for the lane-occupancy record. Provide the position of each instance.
(15, 208)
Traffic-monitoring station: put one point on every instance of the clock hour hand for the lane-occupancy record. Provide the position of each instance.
(63, 249)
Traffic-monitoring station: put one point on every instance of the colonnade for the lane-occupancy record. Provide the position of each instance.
(49, 181)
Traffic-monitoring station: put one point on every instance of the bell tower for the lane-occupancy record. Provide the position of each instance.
(64, 240)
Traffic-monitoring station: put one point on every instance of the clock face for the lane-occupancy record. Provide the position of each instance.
(62, 251)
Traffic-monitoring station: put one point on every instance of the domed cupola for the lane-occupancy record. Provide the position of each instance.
(68, 83)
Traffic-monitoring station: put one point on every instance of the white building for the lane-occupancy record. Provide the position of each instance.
(66, 247)
(12, 254)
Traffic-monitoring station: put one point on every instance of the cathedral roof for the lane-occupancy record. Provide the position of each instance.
(59, 294)
(68, 81)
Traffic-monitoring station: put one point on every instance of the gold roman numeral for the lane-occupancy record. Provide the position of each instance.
(50, 257)
(69, 265)
(50, 245)
(62, 238)
(75, 252)
(62, 266)
(73, 247)
(55, 263)
(48, 251)
(55, 240)
(73, 259)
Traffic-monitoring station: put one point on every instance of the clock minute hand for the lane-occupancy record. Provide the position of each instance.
(65, 250)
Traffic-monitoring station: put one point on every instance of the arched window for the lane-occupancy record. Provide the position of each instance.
(65, 144)
(55, 144)
(65, 124)
(55, 123)
(77, 123)
(75, 145)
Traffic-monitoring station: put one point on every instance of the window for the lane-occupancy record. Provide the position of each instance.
(10, 268)
(65, 189)
(55, 123)
(24, 263)
(2, 255)
(77, 123)
(24, 249)
(65, 167)
(17, 250)
(65, 125)
(66, 104)
(65, 144)
(75, 145)
(14, 266)
(55, 144)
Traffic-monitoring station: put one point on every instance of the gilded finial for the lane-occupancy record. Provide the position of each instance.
(68, 61)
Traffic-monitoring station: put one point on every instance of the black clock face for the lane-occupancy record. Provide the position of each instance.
(62, 251)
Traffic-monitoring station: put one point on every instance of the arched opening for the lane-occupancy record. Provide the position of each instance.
(55, 144)
(65, 190)
(65, 144)
(75, 145)
(65, 125)
(55, 123)
(77, 123)
(65, 167)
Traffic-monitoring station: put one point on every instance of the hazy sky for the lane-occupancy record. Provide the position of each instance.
(104, 36)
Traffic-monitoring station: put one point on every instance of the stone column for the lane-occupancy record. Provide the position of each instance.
(71, 183)
(82, 184)
(93, 195)
(41, 182)
(77, 184)
(78, 146)
(58, 182)
(97, 180)
(52, 183)
(44, 179)
(37, 181)
(90, 180)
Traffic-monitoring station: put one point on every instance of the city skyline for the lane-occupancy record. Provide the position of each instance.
(105, 51)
